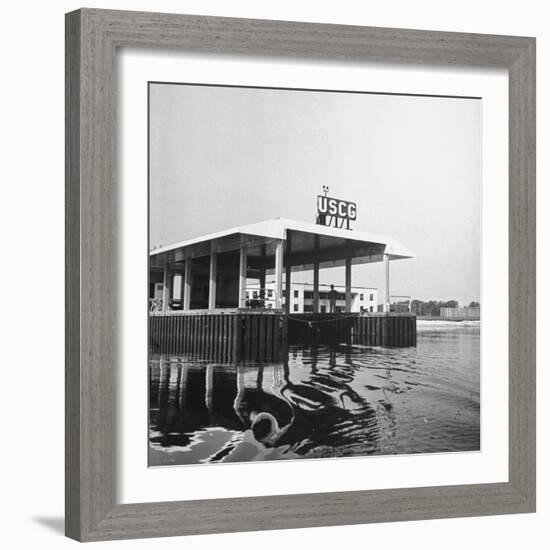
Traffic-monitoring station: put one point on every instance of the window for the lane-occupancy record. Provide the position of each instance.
(323, 309)
(371, 297)
(371, 309)
(361, 297)
(270, 294)
(308, 295)
(295, 307)
(308, 308)
(284, 293)
(296, 293)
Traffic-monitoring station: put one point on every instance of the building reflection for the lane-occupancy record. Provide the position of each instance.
(312, 410)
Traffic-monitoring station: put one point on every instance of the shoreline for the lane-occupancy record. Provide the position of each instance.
(446, 323)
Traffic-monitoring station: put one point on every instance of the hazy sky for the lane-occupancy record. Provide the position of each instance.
(223, 157)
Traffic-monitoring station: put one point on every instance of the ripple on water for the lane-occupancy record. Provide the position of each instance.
(324, 401)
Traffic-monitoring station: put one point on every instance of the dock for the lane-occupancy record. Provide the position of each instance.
(373, 329)
(265, 335)
(224, 337)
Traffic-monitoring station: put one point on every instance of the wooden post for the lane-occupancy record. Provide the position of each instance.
(213, 278)
(166, 289)
(386, 306)
(348, 285)
(278, 273)
(187, 285)
(316, 286)
(242, 277)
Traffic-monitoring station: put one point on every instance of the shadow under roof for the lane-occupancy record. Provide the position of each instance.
(303, 243)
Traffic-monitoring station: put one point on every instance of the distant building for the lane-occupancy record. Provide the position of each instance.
(301, 297)
(398, 304)
(463, 313)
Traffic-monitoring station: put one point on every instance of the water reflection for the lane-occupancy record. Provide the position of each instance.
(321, 401)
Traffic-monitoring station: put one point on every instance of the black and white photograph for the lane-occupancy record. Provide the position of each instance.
(314, 274)
(271, 274)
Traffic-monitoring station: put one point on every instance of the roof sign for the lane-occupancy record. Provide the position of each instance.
(335, 212)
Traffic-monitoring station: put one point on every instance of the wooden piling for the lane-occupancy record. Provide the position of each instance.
(253, 335)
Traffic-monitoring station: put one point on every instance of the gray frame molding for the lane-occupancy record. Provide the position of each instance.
(92, 37)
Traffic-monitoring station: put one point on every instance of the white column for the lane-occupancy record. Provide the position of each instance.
(316, 286)
(242, 277)
(263, 292)
(213, 278)
(348, 285)
(278, 273)
(386, 306)
(288, 274)
(187, 285)
(288, 290)
(166, 289)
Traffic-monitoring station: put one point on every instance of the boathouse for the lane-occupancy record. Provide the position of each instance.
(205, 279)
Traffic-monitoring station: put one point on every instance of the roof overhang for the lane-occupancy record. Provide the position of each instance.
(304, 243)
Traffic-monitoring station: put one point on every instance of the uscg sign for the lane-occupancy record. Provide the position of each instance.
(335, 212)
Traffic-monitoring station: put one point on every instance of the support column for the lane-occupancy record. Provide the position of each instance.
(278, 273)
(287, 271)
(166, 289)
(316, 286)
(348, 285)
(287, 286)
(242, 277)
(263, 293)
(187, 285)
(386, 306)
(316, 275)
(213, 279)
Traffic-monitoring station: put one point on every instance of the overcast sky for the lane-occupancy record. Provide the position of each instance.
(222, 157)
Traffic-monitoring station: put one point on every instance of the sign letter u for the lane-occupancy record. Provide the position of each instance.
(322, 206)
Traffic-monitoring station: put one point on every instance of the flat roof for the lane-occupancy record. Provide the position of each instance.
(304, 242)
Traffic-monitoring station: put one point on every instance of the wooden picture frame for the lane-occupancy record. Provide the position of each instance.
(92, 39)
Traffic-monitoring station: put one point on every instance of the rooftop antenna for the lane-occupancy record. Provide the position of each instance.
(320, 218)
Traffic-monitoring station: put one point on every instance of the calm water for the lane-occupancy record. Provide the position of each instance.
(325, 401)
